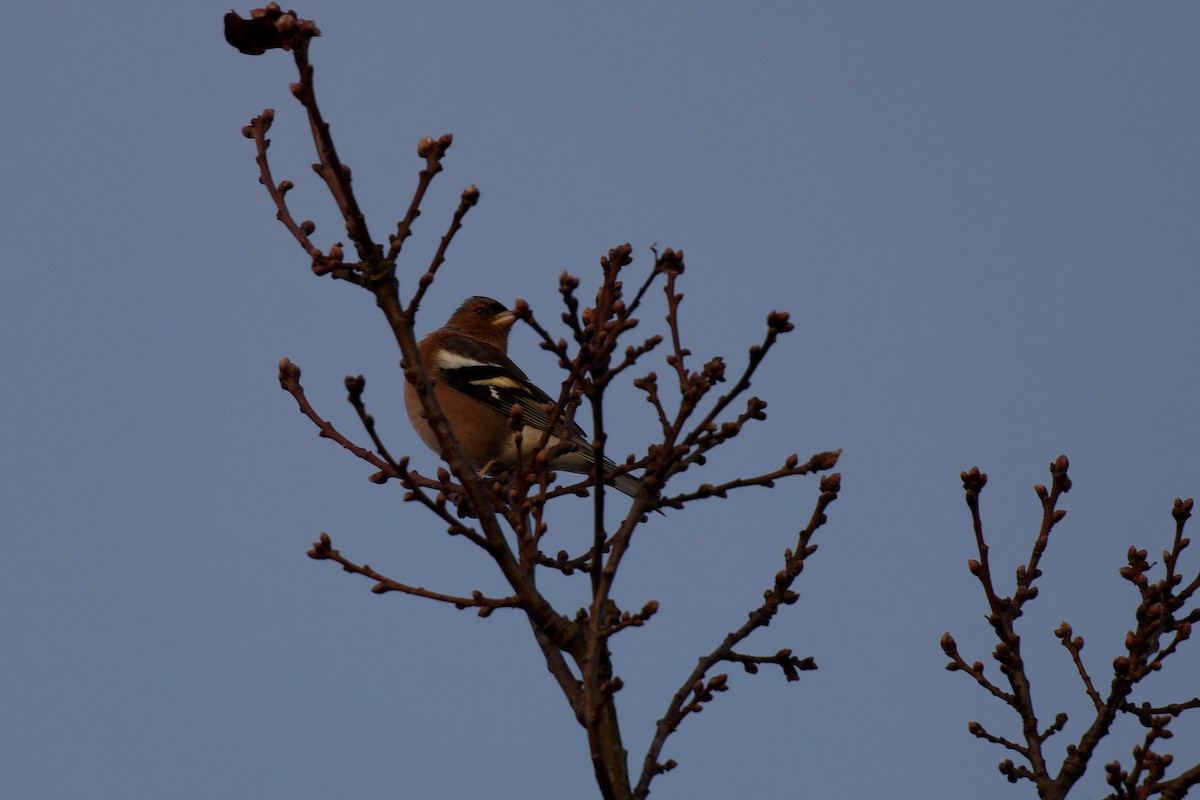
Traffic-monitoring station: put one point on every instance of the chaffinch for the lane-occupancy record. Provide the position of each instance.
(477, 385)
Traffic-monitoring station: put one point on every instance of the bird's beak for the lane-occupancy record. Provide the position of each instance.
(504, 320)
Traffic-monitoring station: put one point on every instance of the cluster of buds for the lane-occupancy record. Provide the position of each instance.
(269, 28)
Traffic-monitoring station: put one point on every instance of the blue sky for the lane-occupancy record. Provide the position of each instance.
(981, 217)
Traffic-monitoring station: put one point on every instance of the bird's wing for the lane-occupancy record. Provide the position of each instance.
(486, 374)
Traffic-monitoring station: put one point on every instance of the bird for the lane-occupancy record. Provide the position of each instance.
(477, 385)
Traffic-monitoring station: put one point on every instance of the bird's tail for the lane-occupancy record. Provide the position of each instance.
(582, 460)
(625, 483)
(628, 484)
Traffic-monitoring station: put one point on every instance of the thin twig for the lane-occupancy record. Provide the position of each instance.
(323, 550)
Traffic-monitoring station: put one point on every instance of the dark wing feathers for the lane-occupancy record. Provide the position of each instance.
(485, 373)
(496, 381)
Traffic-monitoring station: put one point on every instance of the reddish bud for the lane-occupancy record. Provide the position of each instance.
(778, 322)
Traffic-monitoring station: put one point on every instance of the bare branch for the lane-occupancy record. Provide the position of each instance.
(791, 665)
(1157, 615)
(289, 380)
(323, 550)
(778, 595)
